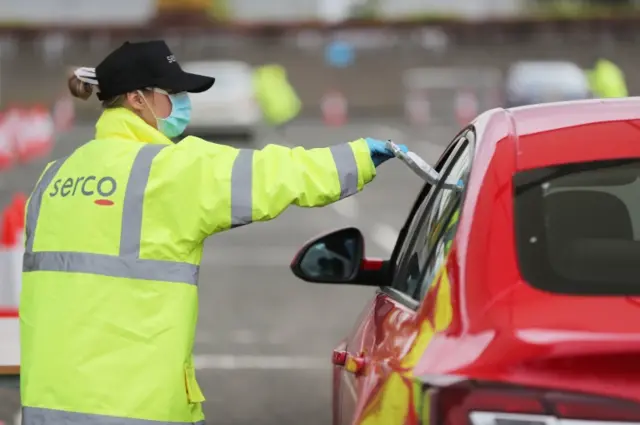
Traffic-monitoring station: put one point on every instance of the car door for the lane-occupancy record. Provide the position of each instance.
(383, 331)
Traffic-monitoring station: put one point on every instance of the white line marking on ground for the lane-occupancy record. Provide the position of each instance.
(232, 362)
(385, 236)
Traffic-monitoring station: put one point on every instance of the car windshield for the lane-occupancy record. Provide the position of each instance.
(578, 227)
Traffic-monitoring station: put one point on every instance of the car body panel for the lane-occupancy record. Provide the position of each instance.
(480, 319)
(554, 135)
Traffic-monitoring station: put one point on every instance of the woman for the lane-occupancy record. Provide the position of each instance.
(114, 237)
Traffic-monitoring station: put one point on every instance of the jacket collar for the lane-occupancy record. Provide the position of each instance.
(121, 123)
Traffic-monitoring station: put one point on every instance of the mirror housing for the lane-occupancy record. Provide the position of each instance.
(331, 258)
(338, 258)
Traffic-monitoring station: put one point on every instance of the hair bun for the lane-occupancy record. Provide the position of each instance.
(79, 89)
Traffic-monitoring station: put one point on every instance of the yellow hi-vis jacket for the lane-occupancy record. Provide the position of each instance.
(277, 98)
(114, 238)
(607, 80)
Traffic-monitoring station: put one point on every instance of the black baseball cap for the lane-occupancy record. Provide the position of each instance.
(135, 66)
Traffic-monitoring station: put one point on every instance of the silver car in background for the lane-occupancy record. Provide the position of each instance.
(230, 107)
(532, 82)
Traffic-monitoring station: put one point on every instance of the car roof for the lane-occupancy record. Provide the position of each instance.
(555, 133)
(552, 116)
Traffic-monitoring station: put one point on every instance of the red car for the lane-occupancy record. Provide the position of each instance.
(515, 301)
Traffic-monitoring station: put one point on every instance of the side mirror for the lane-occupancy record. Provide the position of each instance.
(333, 258)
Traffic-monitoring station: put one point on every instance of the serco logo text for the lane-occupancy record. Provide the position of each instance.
(86, 186)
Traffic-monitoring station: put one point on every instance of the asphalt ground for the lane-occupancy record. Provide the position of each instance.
(264, 338)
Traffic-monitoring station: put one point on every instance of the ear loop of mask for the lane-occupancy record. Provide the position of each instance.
(144, 99)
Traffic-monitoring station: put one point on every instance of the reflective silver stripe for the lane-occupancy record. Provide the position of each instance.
(107, 265)
(36, 200)
(128, 264)
(40, 416)
(347, 167)
(134, 200)
(242, 188)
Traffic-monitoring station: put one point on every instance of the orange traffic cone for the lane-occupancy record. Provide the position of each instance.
(6, 143)
(10, 227)
(41, 132)
(20, 203)
(64, 113)
(334, 109)
(467, 107)
(10, 259)
(8, 313)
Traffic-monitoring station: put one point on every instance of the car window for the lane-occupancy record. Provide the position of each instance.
(429, 223)
(439, 251)
(417, 213)
(578, 227)
(437, 224)
(419, 205)
(441, 230)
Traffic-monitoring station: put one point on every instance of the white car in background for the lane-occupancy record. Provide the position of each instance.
(534, 82)
(229, 108)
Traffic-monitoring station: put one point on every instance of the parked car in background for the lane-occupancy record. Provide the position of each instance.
(532, 82)
(512, 301)
(229, 108)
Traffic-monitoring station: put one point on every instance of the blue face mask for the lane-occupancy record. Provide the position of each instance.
(175, 124)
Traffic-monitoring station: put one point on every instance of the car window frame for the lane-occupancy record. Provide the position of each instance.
(425, 213)
(452, 207)
(443, 211)
(422, 198)
(423, 205)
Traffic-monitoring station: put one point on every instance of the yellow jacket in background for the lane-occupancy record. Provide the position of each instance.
(607, 80)
(277, 98)
(114, 239)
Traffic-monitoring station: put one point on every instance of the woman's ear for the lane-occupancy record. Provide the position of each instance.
(136, 101)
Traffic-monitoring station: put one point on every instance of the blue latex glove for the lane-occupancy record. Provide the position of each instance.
(379, 151)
